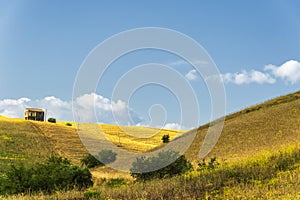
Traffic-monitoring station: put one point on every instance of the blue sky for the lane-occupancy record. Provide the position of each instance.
(255, 45)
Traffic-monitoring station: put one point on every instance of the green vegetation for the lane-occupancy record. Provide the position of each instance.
(52, 120)
(116, 182)
(107, 156)
(92, 194)
(165, 138)
(90, 161)
(143, 168)
(104, 157)
(56, 174)
(68, 124)
(260, 178)
(212, 164)
(267, 176)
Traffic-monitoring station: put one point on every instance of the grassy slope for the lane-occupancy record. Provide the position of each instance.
(21, 142)
(30, 142)
(264, 127)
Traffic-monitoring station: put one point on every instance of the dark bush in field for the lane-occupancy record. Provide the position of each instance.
(165, 138)
(90, 161)
(107, 156)
(68, 124)
(55, 174)
(52, 120)
(104, 157)
(142, 165)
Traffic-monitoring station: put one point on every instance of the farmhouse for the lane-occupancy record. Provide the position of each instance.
(34, 114)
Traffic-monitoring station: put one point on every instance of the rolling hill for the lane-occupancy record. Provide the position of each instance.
(261, 145)
(30, 142)
(269, 126)
(264, 127)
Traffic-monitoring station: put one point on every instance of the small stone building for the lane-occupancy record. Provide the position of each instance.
(34, 114)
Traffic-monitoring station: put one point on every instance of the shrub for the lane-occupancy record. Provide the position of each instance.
(142, 168)
(90, 161)
(68, 124)
(165, 138)
(104, 157)
(55, 174)
(92, 194)
(212, 164)
(52, 120)
(107, 156)
(116, 182)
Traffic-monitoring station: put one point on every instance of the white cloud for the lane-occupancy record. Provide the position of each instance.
(192, 75)
(288, 71)
(183, 62)
(13, 107)
(248, 77)
(176, 126)
(172, 126)
(107, 111)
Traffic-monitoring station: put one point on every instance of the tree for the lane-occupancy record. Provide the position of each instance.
(165, 138)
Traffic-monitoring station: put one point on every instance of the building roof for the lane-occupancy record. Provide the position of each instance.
(34, 109)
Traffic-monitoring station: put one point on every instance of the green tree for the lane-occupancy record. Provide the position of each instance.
(165, 138)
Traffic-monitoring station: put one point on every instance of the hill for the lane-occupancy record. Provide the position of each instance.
(261, 145)
(269, 126)
(30, 142)
(263, 127)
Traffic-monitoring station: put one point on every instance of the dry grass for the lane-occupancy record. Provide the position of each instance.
(264, 127)
(20, 141)
(31, 142)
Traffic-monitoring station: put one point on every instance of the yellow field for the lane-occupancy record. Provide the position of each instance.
(32, 141)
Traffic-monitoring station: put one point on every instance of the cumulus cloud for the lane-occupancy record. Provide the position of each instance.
(192, 75)
(176, 126)
(245, 77)
(106, 111)
(13, 107)
(288, 71)
(172, 126)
